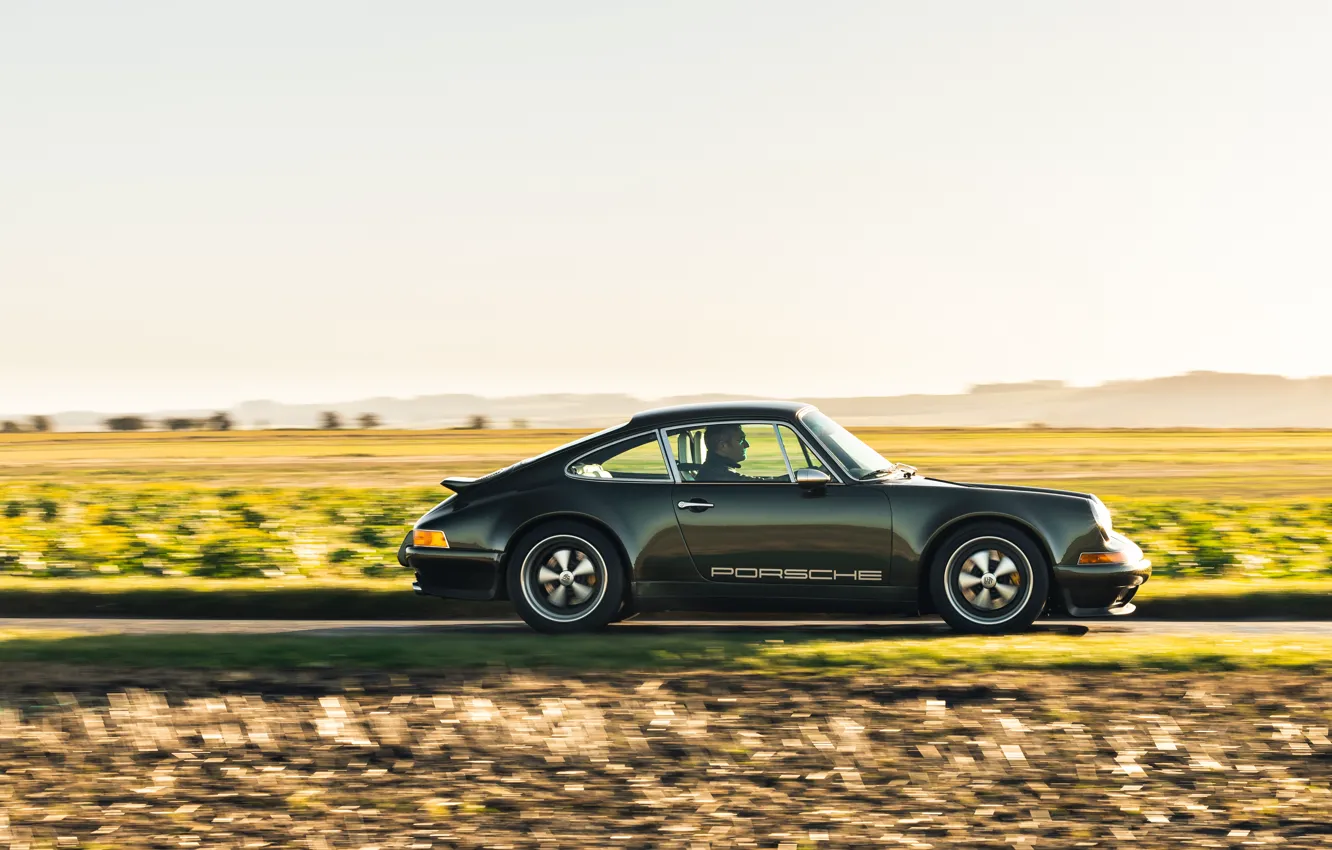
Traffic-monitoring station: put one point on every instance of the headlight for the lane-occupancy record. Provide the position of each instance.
(1101, 515)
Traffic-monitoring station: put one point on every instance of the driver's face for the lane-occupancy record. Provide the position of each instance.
(733, 446)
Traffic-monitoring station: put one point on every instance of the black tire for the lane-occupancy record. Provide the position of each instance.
(554, 606)
(966, 589)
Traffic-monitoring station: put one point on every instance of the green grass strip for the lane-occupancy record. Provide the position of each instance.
(1235, 599)
(233, 599)
(772, 652)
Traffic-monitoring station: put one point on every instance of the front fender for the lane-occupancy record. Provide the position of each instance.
(924, 516)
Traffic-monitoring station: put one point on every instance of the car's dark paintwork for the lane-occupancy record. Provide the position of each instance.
(886, 530)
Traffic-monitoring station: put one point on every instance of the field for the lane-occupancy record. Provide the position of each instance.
(334, 505)
(100, 758)
(1123, 464)
(758, 739)
(770, 740)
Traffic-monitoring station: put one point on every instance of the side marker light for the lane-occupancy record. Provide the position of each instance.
(1095, 558)
(430, 538)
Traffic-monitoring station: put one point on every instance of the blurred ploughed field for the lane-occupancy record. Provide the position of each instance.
(318, 759)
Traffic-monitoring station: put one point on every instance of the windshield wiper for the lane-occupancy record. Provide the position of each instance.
(876, 473)
(907, 471)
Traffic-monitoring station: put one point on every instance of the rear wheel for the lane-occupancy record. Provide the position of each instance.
(566, 577)
(989, 578)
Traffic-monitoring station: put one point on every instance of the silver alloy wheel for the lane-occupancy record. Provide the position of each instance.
(563, 578)
(988, 580)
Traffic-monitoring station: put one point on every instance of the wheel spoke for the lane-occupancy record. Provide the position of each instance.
(580, 591)
(1006, 567)
(968, 580)
(564, 581)
(981, 560)
(1007, 591)
(586, 568)
(982, 599)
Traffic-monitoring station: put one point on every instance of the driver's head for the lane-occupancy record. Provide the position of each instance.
(726, 441)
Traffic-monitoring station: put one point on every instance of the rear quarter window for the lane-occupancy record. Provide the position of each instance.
(635, 459)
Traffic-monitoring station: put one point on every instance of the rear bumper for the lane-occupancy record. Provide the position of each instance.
(455, 573)
(1097, 591)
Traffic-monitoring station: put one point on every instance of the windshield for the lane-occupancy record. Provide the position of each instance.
(859, 459)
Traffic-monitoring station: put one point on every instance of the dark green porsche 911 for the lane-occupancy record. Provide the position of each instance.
(763, 506)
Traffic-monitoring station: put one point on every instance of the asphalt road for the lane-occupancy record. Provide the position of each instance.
(920, 627)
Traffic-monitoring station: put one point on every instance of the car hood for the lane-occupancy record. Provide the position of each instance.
(1012, 488)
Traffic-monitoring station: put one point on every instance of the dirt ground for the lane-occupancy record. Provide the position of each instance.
(96, 758)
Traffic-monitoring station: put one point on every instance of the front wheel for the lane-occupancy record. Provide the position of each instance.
(566, 578)
(989, 578)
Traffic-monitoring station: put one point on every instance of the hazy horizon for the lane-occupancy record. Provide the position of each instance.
(740, 391)
(310, 202)
(338, 401)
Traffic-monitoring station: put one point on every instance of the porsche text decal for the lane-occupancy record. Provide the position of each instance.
(761, 573)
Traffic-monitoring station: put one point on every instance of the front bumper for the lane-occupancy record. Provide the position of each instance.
(473, 574)
(1098, 591)
(1103, 589)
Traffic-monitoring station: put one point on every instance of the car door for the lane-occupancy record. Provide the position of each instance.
(748, 525)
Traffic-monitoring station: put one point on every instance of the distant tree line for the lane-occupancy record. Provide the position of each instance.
(36, 424)
(329, 420)
(220, 421)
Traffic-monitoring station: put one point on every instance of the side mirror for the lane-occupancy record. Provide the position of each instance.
(812, 479)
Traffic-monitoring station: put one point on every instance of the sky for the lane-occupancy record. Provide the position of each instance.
(203, 203)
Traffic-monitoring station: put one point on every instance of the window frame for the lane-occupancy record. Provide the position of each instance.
(675, 472)
(661, 447)
(806, 452)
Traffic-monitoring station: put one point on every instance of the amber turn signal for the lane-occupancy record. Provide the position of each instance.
(430, 538)
(1103, 558)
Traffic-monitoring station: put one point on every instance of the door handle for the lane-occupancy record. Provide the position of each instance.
(698, 505)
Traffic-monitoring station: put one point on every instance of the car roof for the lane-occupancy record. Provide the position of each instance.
(686, 413)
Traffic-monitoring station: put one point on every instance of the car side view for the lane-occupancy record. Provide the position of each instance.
(763, 506)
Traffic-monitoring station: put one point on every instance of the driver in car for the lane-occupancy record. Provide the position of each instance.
(726, 451)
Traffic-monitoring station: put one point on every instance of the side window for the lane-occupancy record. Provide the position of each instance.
(799, 452)
(639, 459)
(728, 452)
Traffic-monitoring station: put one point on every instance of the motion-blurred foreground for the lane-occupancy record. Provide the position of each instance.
(620, 760)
